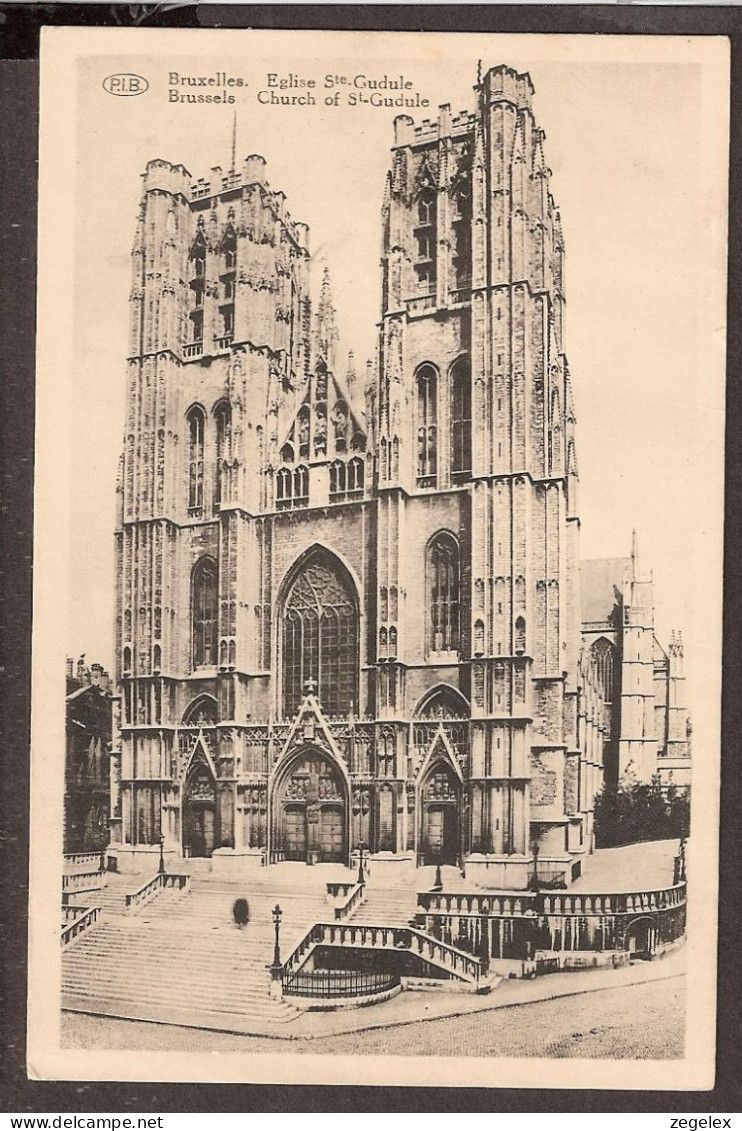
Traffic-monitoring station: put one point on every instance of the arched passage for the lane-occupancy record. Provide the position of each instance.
(310, 810)
(199, 810)
(440, 797)
(641, 937)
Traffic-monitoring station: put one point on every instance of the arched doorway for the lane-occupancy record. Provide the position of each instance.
(441, 804)
(199, 811)
(310, 811)
(640, 938)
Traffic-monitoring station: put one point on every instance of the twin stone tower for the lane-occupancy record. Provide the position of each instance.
(348, 605)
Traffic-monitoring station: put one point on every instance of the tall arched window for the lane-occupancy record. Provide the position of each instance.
(427, 416)
(320, 638)
(301, 486)
(337, 479)
(602, 656)
(196, 422)
(355, 476)
(462, 232)
(460, 418)
(283, 488)
(443, 573)
(222, 418)
(426, 237)
(204, 603)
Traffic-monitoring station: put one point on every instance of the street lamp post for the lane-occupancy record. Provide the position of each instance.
(534, 878)
(438, 882)
(277, 943)
(484, 939)
(276, 967)
(361, 874)
(161, 867)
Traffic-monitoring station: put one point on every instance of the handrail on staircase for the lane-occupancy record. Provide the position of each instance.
(87, 917)
(152, 887)
(353, 899)
(429, 949)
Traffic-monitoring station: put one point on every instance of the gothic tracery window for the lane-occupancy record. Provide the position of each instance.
(443, 571)
(460, 418)
(426, 237)
(602, 657)
(426, 382)
(196, 424)
(222, 417)
(320, 638)
(355, 476)
(462, 232)
(204, 602)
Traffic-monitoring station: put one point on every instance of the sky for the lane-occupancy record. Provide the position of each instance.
(641, 189)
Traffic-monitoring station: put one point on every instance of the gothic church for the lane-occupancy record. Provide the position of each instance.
(349, 604)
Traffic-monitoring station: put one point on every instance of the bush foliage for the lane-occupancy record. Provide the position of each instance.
(634, 811)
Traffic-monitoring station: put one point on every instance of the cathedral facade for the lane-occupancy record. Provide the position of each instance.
(349, 603)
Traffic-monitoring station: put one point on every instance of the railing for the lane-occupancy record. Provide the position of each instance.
(340, 887)
(159, 882)
(549, 878)
(547, 966)
(338, 983)
(614, 903)
(74, 858)
(418, 305)
(88, 917)
(494, 903)
(193, 349)
(224, 342)
(82, 881)
(503, 905)
(353, 899)
(361, 935)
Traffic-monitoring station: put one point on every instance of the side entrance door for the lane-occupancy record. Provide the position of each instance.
(331, 839)
(295, 833)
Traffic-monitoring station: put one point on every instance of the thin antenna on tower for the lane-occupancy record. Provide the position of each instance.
(234, 141)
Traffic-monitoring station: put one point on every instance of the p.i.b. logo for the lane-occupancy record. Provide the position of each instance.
(125, 85)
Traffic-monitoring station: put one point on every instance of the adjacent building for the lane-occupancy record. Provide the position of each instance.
(87, 767)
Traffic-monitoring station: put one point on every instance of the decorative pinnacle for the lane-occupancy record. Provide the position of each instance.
(234, 142)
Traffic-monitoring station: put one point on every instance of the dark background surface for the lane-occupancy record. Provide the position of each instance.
(19, 72)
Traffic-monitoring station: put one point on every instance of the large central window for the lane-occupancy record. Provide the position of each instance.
(320, 638)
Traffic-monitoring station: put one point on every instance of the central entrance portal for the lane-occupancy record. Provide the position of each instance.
(311, 812)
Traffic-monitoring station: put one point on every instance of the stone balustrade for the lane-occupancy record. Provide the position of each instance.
(86, 917)
(449, 958)
(82, 881)
(160, 882)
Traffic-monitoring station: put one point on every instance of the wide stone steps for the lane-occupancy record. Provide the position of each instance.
(181, 959)
(386, 908)
(135, 969)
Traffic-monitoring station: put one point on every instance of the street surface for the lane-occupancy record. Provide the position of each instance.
(645, 1021)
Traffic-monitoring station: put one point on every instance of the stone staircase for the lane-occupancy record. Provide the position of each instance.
(181, 959)
(393, 907)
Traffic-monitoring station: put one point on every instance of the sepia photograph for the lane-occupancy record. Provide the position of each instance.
(379, 479)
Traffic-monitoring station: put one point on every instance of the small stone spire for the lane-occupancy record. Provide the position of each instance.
(234, 142)
(350, 376)
(325, 331)
(634, 555)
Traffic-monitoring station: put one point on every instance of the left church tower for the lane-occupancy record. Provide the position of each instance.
(218, 354)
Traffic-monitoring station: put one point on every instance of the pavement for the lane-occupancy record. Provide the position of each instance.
(633, 867)
(645, 1021)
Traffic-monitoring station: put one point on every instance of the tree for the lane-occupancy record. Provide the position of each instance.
(632, 811)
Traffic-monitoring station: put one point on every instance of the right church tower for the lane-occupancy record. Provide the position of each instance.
(477, 478)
